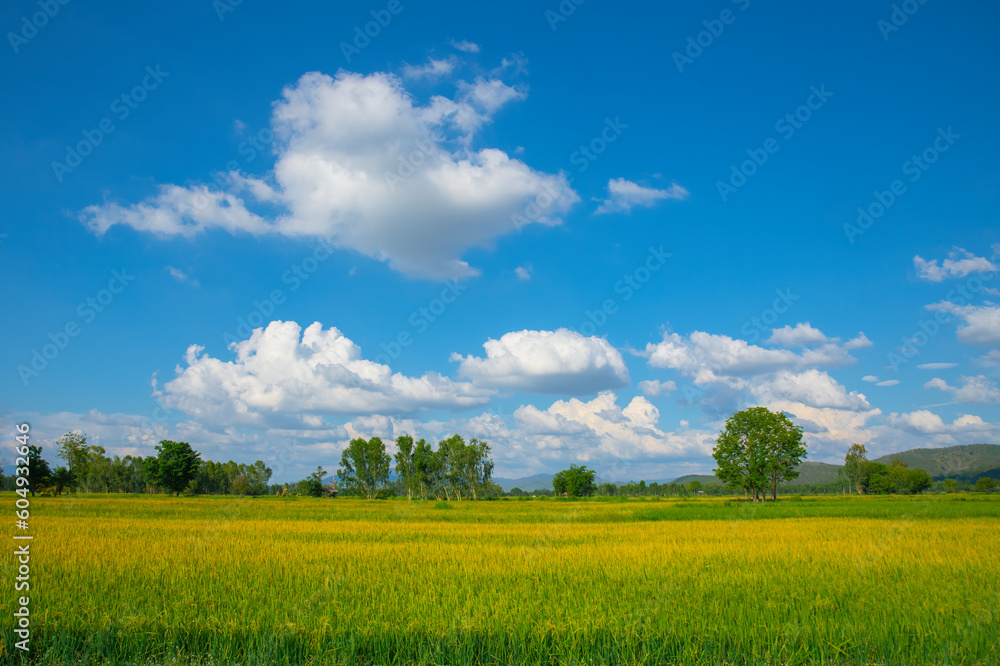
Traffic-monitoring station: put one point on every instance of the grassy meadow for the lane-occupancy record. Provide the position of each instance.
(855, 580)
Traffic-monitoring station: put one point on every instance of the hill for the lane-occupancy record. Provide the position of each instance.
(949, 460)
(534, 482)
(809, 473)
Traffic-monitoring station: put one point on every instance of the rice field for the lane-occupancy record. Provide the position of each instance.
(150, 580)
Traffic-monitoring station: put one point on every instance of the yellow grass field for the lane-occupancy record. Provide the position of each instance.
(134, 579)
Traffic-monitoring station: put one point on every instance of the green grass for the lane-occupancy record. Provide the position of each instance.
(837, 580)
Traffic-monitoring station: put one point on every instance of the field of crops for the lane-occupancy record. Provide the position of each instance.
(286, 580)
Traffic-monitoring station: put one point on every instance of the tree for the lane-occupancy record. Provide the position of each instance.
(695, 486)
(919, 481)
(177, 465)
(364, 467)
(950, 485)
(38, 469)
(758, 449)
(61, 479)
(985, 484)
(577, 481)
(405, 469)
(855, 463)
(423, 466)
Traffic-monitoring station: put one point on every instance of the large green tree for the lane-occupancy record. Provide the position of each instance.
(577, 481)
(38, 469)
(757, 450)
(364, 467)
(405, 468)
(176, 465)
(856, 467)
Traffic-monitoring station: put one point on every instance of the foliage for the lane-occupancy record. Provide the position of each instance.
(985, 485)
(176, 465)
(855, 467)
(364, 467)
(38, 469)
(757, 450)
(577, 481)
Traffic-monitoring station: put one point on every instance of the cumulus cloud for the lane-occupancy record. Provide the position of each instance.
(652, 388)
(432, 69)
(466, 46)
(624, 194)
(802, 335)
(600, 428)
(924, 422)
(981, 322)
(978, 389)
(959, 263)
(359, 161)
(813, 388)
(560, 361)
(708, 358)
(523, 272)
(284, 375)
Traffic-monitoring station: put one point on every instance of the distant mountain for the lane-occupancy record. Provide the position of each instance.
(963, 463)
(949, 460)
(809, 473)
(536, 482)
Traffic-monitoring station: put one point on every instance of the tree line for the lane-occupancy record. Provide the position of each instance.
(454, 470)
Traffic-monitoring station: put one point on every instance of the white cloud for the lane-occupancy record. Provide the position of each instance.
(561, 361)
(869, 378)
(802, 335)
(360, 162)
(653, 388)
(523, 272)
(708, 358)
(181, 276)
(466, 46)
(431, 69)
(982, 322)
(958, 264)
(990, 360)
(888, 382)
(813, 388)
(937, 366)
(601, 429)
(623, 194)
(924, 422)
(280, 378)
(976, 389)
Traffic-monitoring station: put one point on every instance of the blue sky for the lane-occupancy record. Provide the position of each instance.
(592, 230)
